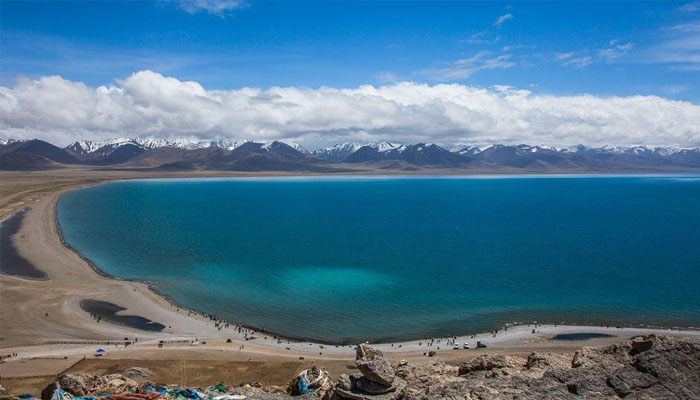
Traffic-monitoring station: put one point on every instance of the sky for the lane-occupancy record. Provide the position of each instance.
(319, 73)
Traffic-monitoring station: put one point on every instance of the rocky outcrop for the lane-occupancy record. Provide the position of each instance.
(648, 367)
(643, 368)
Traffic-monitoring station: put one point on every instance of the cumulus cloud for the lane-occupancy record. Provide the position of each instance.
(149, 104)
(216, 7)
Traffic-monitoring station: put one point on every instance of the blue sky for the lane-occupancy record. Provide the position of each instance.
(555, 72)
(602, 48)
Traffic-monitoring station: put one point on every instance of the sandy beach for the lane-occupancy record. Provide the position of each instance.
(43, 319)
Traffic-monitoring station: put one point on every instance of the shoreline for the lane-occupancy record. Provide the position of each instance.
(208, 318)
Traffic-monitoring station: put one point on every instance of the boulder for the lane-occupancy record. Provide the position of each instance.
(370, 387)
(535, 360)
(77, 385)
(642, 344)
(362, 386)
(344, 382)
(373, 366)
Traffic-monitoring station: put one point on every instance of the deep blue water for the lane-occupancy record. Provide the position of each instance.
(350, 259)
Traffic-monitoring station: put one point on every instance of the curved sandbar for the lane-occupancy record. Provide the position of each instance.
(11, 263)
(39, 311)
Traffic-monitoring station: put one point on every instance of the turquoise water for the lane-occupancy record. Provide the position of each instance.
(351, 259)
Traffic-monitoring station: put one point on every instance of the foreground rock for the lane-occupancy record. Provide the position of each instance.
(648, 367)
(373, 365)
(377, 379)
(644, 368)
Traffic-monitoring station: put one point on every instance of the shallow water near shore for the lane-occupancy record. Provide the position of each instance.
(395, 258)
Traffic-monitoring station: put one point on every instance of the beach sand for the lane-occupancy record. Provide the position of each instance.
(43, 319)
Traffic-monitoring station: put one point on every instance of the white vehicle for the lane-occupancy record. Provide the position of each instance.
(456, 346)
(466, 346)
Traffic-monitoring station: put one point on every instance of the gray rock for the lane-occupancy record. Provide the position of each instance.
(344, 382)
(362, 386)
(627, 380)
(647, 368)
(373, 366)
(370, 387)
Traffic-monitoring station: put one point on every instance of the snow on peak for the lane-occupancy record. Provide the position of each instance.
(384, 146)
(339, 148)
(4, 142)
(188, 143)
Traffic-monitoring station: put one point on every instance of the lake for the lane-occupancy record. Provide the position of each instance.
(349, 259)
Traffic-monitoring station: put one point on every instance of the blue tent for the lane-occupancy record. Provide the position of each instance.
(100, 351)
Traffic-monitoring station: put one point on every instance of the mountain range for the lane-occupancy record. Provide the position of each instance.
(243, 155)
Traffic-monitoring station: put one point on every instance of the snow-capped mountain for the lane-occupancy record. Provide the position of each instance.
(385, 146)
(296, 146)
(341, 151)
(418, 154)
(468, 150)
(105, 147)
(337, 152)
(194, 153)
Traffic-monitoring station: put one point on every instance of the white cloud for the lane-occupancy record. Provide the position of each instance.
(483, 37)
(687, 27)
(579, 62)
(564, 56)
(466, 67)
(615, 50)
(679, 47)
(503, 18)
(674, 89)
(690, 7)
(216, 7)
(386, 77)
(149, 104)
(512, 47)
